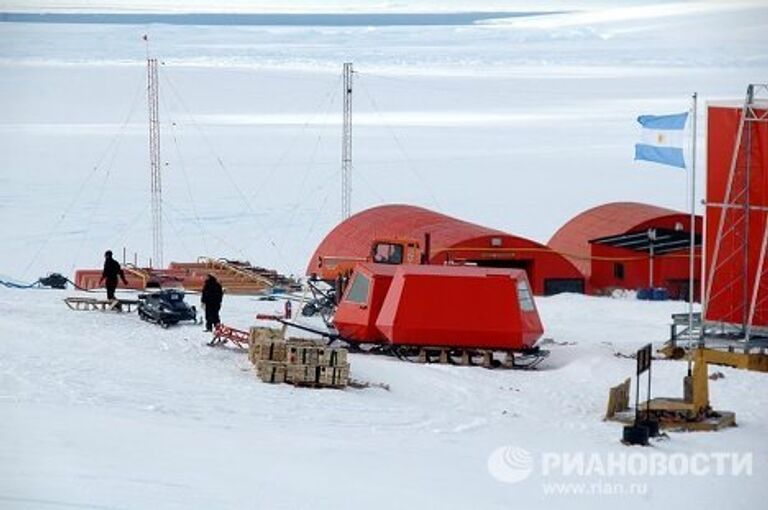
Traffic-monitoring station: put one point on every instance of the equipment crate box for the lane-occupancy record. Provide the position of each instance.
(302, 354)
(267, 351)
(271, 372)
(336, 377)
(259, 334)
(331, 356)
(302, 374)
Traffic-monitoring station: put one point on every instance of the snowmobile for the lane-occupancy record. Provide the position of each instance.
(165, 308)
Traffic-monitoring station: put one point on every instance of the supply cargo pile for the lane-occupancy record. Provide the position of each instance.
(296, 361)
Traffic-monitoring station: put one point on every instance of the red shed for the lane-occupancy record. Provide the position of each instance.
(453, 241)
(617, 245)
(737, 230)
(460, 306)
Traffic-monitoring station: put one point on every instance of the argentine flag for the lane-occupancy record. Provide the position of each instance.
(662, 139)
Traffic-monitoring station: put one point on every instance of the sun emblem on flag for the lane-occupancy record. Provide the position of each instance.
(661, 138)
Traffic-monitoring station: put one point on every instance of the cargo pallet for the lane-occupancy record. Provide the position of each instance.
(300, 362)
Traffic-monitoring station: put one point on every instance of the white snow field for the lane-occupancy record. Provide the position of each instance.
(515, 123)
(101, 410)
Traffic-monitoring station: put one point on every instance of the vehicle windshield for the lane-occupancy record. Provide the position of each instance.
(358, 291)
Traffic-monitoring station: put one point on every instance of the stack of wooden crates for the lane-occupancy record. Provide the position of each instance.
(296, 361)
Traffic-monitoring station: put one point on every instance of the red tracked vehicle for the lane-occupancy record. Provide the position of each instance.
(448, 311)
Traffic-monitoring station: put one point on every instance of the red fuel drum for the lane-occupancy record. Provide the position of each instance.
(446, 306)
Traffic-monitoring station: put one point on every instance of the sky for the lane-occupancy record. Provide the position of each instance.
(303, 6)
(458, 119)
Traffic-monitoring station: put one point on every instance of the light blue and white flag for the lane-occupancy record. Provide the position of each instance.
(663, 139)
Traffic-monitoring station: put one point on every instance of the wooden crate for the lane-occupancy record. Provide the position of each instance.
(302, 374)
(302, 354)
(618, 399)
(331, 356)
(267, 351)
(271, 371)
(259, 334)
(302, 341)
(254, 351)
(335, 377)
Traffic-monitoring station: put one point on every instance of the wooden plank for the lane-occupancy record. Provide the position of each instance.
(618, 399)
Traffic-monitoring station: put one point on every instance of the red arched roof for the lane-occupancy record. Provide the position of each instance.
(353, 237)
(572, 239)
(451, 240)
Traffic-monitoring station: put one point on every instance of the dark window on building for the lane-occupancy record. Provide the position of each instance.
(618, 270)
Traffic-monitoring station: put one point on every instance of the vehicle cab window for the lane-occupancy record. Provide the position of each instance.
(388, 253)
(524, 296)
(358, 290)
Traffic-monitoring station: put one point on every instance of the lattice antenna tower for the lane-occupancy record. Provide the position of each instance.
(156, 187)
(346, 145)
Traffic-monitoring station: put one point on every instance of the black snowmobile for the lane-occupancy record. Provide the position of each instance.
(166, 308)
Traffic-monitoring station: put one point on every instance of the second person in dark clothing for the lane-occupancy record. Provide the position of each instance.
(110, 273)
(211, 299)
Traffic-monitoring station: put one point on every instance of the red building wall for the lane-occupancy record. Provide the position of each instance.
(730, 292)
(670, 270)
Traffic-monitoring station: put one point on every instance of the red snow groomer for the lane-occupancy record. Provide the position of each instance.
(456, 314)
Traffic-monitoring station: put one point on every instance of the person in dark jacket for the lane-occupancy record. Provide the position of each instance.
(110, 273)
(211, 300)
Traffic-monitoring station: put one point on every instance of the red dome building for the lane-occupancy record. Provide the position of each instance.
(619, 244)
(451, 241)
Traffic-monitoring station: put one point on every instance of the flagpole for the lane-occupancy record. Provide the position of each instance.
(692, 258)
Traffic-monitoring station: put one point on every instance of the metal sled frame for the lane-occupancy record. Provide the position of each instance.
(102, 305)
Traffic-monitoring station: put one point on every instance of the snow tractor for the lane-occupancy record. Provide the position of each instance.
(383, 251)
(165, 308)
(450, 314)
(330, 282)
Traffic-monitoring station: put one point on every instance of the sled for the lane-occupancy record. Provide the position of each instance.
(102, 305)
(223, 334)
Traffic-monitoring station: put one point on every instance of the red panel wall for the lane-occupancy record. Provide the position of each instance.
(539, 262)
(465, 307)
(670, 270)
(731, 292)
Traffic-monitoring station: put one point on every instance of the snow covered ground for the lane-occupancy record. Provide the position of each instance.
(516, 124)
(101, 410)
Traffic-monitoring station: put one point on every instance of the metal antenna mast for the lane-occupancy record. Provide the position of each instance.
(346, 145)
(154, 162)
